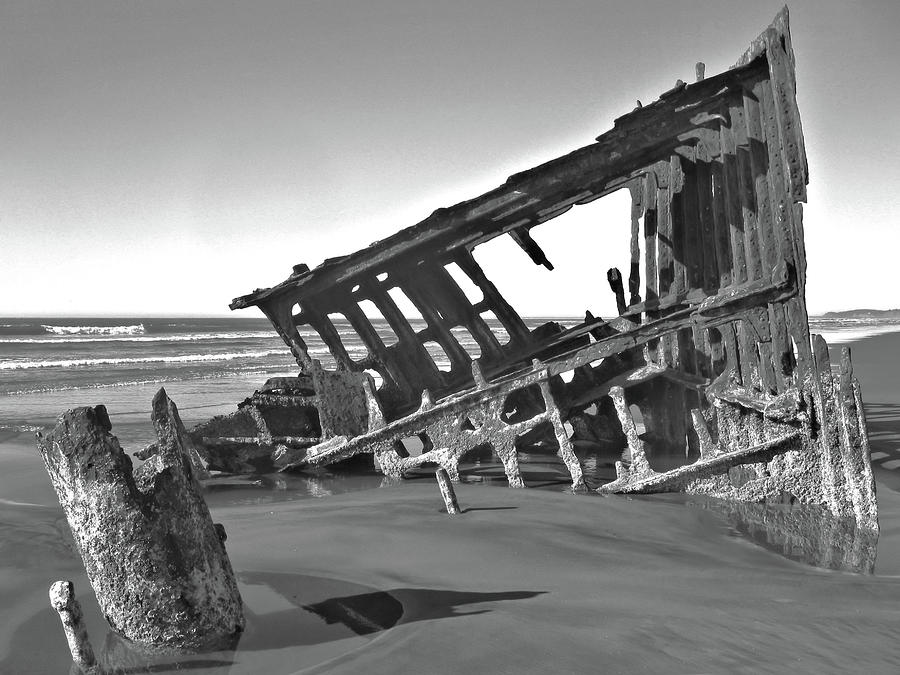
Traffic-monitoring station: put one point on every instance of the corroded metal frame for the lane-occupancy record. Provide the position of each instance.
(713, 346)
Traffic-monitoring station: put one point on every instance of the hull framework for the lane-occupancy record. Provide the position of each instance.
(711, 345)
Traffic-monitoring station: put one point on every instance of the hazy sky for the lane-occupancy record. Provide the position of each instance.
(163, 157)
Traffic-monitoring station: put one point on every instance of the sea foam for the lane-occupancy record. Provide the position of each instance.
(137, 329)
(73, 338)
(181, 358)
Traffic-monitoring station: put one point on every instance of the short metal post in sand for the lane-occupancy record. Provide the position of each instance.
(62, 599)
(447, 491)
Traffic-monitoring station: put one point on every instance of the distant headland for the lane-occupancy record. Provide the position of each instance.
(863, 314)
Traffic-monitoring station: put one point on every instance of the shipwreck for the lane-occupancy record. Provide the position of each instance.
(710, 350)
(711, 344)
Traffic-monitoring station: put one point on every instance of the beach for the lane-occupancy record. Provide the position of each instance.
(350, 574)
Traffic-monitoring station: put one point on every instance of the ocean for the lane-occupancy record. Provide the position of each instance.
(525, 580)
(207, 365)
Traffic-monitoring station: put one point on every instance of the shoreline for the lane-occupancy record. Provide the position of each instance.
(521, 580)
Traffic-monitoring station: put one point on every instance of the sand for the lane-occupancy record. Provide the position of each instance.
(381, 580)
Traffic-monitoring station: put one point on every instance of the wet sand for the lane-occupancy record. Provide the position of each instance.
(380, 580)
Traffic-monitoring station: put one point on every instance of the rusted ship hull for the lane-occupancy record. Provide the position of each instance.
(712, 346)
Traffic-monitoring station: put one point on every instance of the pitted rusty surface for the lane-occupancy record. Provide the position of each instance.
(156, 562)
(711, 344)
(453, 428)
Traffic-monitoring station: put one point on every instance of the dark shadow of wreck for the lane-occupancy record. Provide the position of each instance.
(363, 613)
(373, 612)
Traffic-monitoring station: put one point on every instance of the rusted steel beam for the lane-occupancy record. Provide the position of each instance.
(633, 481)
(716, 353)
(301, 441)
(785, 407)
(449, 428)
(708, 313)
(483, 395)
(624, 149)
(638, 376)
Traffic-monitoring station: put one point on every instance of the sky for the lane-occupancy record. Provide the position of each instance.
(161, 158)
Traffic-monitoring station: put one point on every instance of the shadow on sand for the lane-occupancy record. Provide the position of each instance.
(359, 613)
(282, 611)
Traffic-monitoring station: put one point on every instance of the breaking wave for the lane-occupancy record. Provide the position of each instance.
(162, 379)
(128, 337)
(137, 329)
(22, 428)
(183, 358)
